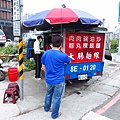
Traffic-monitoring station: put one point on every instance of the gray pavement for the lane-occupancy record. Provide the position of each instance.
(73, 107)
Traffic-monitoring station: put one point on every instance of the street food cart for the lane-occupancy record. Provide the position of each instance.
(87, 51)
(84, 40)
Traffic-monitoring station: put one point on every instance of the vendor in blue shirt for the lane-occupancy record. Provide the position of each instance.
(53, 61)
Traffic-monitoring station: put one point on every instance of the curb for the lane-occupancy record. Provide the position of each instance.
(93, 116)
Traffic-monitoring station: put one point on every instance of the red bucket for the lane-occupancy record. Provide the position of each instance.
(13, 74)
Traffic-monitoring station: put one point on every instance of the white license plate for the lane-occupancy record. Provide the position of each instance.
(82, 77)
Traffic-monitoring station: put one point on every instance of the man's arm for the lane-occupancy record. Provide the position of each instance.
(42, 51)
(68, 59)
(43, 67)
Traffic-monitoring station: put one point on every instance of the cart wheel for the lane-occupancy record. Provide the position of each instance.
(2, 75)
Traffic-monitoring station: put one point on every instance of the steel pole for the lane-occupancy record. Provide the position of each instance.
(21, 53)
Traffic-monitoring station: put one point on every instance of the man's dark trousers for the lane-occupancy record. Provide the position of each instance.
(38, 65)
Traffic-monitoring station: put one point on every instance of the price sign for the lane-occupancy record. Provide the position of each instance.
(85, 47)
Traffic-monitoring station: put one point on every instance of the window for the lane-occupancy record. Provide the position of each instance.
(4, 4)
(9, 16)
(9, 5)
(0, 3)
(8, 24)
(5, 15)
(2, 14)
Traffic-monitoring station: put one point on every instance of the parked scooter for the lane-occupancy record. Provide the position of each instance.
(2, 73)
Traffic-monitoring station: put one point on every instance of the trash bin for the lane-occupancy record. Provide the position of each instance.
(13, 74)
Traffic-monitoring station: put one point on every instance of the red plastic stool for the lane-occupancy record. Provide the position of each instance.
(13, 85)
(13, 92)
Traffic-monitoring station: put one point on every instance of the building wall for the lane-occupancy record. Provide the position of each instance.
(6, 17)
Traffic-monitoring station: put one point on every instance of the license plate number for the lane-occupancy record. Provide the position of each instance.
(82, 77)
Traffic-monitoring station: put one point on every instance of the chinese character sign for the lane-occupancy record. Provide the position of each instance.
(16, 9)
(85, 47)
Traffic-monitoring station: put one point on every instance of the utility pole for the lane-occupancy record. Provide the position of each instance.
(21, 15)
(103, 24)
(21, 76)
(17, 32)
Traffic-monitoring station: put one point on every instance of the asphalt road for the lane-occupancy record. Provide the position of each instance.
(75, 86)
(111, 108)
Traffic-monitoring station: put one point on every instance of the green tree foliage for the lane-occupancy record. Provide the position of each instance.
(28, 64)
(114, 45)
